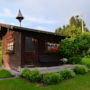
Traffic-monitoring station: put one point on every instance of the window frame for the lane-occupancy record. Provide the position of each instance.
(10, 49)
(10, 46)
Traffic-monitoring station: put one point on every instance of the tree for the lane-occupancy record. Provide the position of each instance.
(74, 49)
(72, 21)
(74, 28)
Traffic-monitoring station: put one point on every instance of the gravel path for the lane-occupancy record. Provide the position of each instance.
(45, 69)
(53, 69)
(8, 78)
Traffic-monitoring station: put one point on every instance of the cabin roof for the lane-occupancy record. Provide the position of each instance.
(21, 29)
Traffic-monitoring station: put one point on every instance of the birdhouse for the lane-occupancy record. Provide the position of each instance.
(20, 17)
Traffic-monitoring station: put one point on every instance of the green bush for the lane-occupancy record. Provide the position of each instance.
(67, 73)
(35, 75)
(51, 78)
(80, 69)
(26, 73)
(32, 75)
(74, 49)
(75, 60)
(0, 55)
(86, 61)
(5, 73)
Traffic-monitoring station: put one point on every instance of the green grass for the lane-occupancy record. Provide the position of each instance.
(80, 82)
(4, 73)
(0, 55)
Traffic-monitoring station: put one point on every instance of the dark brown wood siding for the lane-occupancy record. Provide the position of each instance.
(39, 50)
(29, 58)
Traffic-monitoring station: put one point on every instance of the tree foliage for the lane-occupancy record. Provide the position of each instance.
(76, 48)
(74, 28)
(78, 45)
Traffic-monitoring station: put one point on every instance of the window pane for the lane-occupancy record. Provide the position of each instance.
(28, 44)
(10, 46)
(52, 46)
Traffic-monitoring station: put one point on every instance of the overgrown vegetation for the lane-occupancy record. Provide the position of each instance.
(74, 28)
(76, 48)
(78, 45)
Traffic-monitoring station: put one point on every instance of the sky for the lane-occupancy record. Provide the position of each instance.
(46, 15)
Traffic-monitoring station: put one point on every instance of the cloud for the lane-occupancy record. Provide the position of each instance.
(7, 13)
(2, 21)
(44, 13)
(42, 28)
(41, 20)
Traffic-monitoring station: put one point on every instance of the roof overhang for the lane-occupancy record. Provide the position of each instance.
(5, 27)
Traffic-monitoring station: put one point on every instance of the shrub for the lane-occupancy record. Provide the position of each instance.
(51, 78)
(34, 75)
(67, 73)
(25, 73)
(75, 49)
(75, 59)
(86, 61)
(5, 73)
(80, 69)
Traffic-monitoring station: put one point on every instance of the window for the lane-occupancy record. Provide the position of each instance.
(53, 46)
(10, 46)
(28, 44)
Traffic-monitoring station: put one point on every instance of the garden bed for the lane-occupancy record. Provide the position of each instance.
(48, 78)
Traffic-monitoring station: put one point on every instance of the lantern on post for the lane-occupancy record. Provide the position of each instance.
(20, 17)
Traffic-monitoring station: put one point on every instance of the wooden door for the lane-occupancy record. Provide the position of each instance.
(30, 51)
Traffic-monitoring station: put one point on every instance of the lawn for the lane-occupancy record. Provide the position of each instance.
(79, 82)
(4, 73)
(0, 55)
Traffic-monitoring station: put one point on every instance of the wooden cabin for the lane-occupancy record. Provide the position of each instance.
(29, 47)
